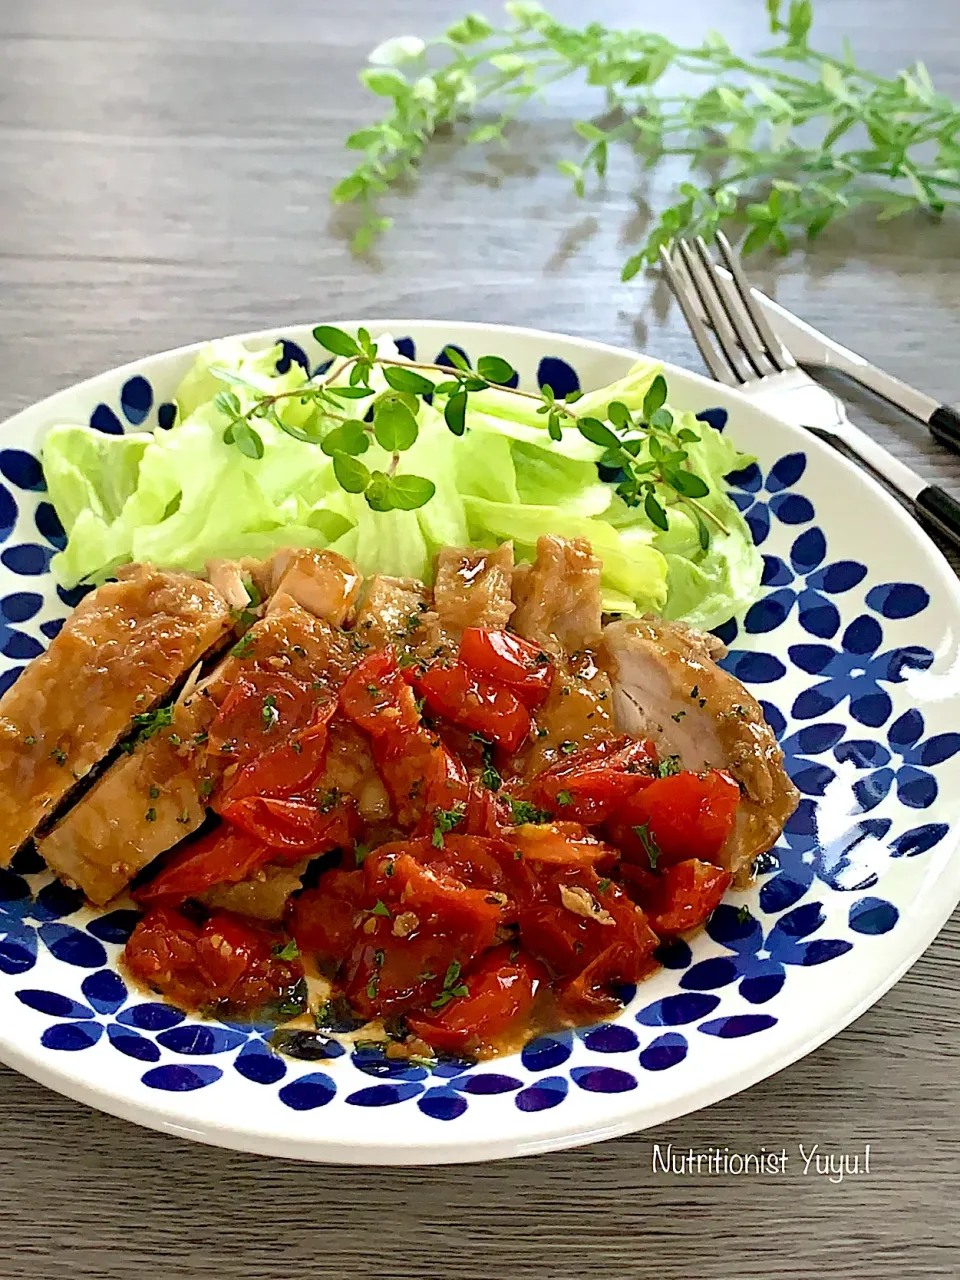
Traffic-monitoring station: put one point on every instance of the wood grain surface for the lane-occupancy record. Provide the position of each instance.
(164, 169)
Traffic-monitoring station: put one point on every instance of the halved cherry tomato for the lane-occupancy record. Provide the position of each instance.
(507, 659)
(226, 959)
(475, 860)
(501, 989)
(476, 703)
(419, 772)
(291, 828)
(290, 767)
(436, 920)
(224, 856)
(322, 919)
(377, 698)
(259, 711)
(487, 812)
(590, 782)
(688, 892)
(688, 815)
(569, 940)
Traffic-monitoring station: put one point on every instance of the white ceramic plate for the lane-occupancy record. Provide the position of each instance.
(853, 652)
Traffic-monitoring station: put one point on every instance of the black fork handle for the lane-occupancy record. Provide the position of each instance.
(944, 424)
(938, 510)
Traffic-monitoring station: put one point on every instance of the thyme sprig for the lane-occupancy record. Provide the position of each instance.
(646, 450)
(786, 142)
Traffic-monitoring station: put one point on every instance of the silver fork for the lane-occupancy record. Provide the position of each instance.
(745, 353)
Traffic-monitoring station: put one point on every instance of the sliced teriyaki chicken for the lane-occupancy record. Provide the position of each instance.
(122, 650)
(473, 588)
(149, 801)
(668, 687)
(391, 610)
(558, 596)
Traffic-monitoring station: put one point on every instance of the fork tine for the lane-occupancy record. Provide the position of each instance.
(738, 317)
(681, 291)
(774, 349)
(709, 296)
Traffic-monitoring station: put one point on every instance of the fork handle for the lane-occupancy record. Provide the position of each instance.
(944, 424)
(935, 507)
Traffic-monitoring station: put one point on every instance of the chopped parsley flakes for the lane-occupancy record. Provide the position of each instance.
(452, 987)
(524, 812)
(668, 766)
(445, 820)
(288, 951)
(649, 842)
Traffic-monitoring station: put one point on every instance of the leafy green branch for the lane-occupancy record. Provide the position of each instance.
(785, 142)
(647, 450)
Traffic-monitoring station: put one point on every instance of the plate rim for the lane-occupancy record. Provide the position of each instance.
(919, 926)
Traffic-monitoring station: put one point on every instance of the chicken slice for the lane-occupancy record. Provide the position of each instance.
(668, 687)
(579, 708)
(151, 800)
(472, 587)
(145, 804)
(123, 649)
(391, 610)
(558, 596)
(264, 896)
(323, 582)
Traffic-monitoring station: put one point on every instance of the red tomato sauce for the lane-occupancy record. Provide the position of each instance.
(489, 906)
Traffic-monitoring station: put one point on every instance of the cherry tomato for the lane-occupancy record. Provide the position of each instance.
(260, 711)
(688, 892)
(476, 703)
(507, 659)
(576, 917)
(435, 921)
(488, 814)
(501, 989)
(377, 698)
(291, 827)
(224, 856)
(688, 815)
(322, 919)
(475, 860)
(590, 782)
(290, 767)
(227, 959)
(419, 772)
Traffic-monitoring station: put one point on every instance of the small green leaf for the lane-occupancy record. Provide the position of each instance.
(350, 188)
(597, 433)
(589, 131)
(633, 265)
(394, 426)
(703, 533)
(757, 237)
(654, 512)
(619, 414)
(408, 493)
(364, 138)
(336, 340)
(377, 493)
(367, 344)
(469, 30)
(456, 359)
(455, 412)
(351, 474)
(686, 436)
(350, 393)
(689, 485)
(385, 82)
(656, 396)
(350, 438)
(228, 402)
(554, 430)
(494, 369)
(407, 380)
(661, 419)
(248, 440)
(485, 133)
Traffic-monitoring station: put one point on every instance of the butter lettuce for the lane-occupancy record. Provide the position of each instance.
(180, 497)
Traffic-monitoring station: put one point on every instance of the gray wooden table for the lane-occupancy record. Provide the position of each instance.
(164, 166)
